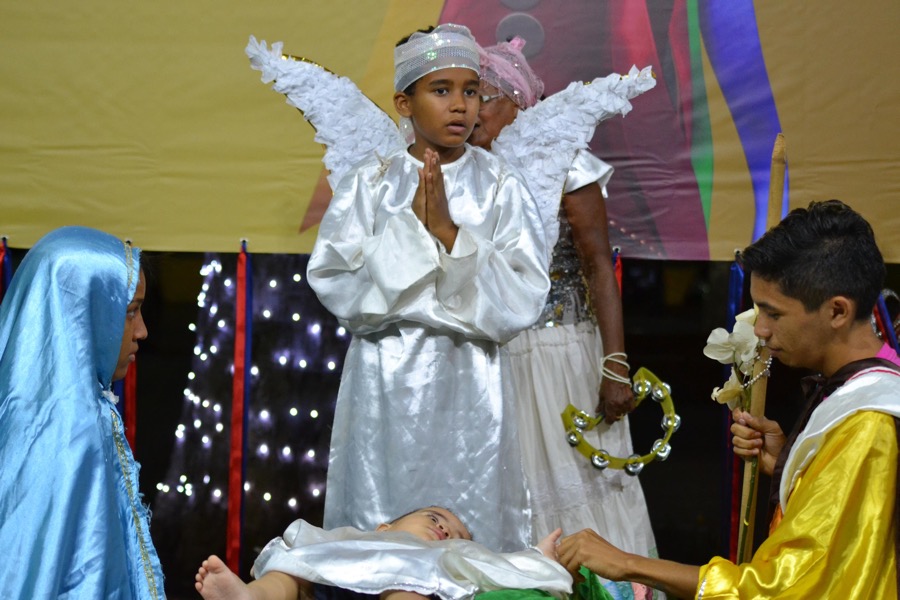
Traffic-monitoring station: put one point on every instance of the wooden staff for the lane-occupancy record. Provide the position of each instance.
(758, 389)
(776, 183)
(751, 468)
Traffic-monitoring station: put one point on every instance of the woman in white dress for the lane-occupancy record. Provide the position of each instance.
(575, 353)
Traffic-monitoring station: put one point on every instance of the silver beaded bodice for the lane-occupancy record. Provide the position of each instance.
(568, 301)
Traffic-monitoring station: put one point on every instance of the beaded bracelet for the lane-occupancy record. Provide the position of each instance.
(620, 358)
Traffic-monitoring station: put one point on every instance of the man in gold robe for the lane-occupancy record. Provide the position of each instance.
(815, 279)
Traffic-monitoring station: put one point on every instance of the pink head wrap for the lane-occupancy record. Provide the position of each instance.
(504, 67)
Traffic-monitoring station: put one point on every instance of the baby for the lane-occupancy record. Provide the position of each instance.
(426, 552)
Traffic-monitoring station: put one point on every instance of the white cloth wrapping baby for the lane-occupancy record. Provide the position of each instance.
(372, 562)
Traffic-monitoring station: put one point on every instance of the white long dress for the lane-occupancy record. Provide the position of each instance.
(558, 362)
(421, 417)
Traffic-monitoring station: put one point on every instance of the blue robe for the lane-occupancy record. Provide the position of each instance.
(72, 524)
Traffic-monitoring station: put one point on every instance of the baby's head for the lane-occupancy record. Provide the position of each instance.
(436, 85)
(430, 524)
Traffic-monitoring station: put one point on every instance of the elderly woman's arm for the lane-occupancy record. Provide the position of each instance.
(586, 210)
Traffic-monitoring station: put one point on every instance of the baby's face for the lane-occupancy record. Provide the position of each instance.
(430, 524)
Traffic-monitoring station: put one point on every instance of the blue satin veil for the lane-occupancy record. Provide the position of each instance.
(72, 524)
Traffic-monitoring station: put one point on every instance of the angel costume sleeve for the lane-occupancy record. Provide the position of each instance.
(449, 569)
(836, 539)
(541, 143)
(585, 170)
(374, 263)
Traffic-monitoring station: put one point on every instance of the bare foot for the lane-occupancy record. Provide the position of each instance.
(547, 546)
(215, 581)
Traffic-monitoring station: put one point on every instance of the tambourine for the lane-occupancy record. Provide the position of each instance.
(644, 383)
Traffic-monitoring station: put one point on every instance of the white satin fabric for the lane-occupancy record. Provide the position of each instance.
(559, 362)
(424, 415)
(587, 169)
(876, 389)
(372, 562)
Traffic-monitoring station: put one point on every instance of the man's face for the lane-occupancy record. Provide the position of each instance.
(795, 336)
(430, 524)
(495, 114)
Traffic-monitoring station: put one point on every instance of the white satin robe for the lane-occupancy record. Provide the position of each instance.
(425, 414)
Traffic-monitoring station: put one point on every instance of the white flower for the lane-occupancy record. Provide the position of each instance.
(732, 393)
(738, 346)
(718, 348)
(748, 316)
(745, 343)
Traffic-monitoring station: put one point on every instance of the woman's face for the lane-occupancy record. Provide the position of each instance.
(495, 114)
(134, 330)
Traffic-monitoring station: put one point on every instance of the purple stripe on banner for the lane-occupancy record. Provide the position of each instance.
(732, 43)
(881, 307)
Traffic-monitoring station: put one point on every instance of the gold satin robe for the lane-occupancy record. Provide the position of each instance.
(836, 539)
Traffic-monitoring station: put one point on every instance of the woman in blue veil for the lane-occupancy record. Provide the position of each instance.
(72, 523)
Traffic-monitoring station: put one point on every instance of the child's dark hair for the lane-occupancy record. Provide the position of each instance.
(819, 252)
(411, 88)
(405, 39)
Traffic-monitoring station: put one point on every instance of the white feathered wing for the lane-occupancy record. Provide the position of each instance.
(541, 143)
(351, 126)
(543, 140)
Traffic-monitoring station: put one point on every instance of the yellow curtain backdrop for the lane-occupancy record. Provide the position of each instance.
(837, 89)
(145, 119)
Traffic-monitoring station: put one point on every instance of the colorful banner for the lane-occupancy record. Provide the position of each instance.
(146, 120)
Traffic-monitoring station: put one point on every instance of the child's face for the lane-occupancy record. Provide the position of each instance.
(430, 524)
(443, 109)
(135, 330)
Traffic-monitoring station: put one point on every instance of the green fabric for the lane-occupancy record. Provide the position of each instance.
(513, 595)
(589, 589)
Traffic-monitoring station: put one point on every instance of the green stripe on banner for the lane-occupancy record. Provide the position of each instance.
(701, 136)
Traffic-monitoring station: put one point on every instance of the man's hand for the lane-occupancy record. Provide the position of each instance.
(587, 548)
(757, 436)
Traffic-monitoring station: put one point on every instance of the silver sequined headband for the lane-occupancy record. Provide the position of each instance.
(446, 47)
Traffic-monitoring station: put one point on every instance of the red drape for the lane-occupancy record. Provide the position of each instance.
(236, 455)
